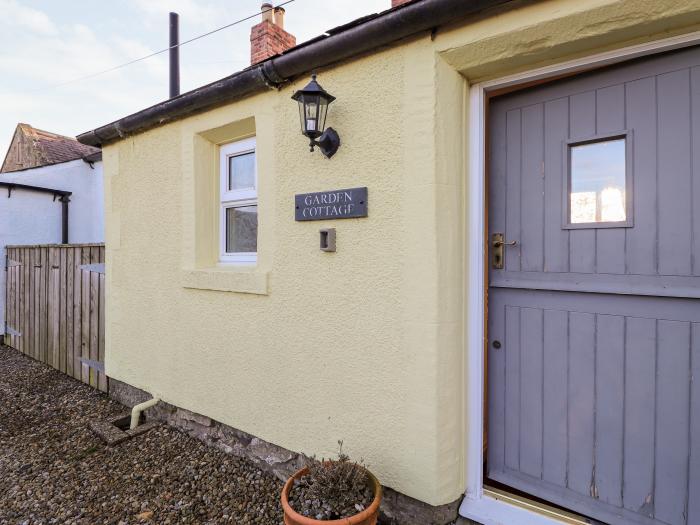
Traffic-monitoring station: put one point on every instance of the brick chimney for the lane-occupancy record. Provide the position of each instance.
(394, 3)
(268, 38)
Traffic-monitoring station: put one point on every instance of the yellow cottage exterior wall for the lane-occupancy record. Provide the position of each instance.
(366, 344)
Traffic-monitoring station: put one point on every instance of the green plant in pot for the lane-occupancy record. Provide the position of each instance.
(332, 492)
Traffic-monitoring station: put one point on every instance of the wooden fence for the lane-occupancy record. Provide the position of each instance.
(55, 301)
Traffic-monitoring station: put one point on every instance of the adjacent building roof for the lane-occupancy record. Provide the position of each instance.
(32, 148)
(364, 35)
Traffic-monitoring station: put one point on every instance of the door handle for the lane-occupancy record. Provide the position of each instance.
(496, 244)
(497, 253)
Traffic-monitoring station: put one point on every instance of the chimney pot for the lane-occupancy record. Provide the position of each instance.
(279, 17)
(267, 13)
(395, 3)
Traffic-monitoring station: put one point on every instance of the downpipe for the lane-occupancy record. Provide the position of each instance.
(138, 409)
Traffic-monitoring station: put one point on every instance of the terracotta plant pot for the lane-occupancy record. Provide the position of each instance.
(366, 517)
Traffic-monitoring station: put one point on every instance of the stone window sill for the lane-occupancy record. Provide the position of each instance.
(241, 279)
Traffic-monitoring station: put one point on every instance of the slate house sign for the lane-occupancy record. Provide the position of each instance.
(335, 204)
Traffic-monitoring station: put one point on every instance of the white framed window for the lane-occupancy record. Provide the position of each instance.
(239, 202)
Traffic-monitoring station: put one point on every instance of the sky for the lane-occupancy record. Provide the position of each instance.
(47, 44)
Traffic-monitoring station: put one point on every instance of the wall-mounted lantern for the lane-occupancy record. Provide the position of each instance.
(313, 107)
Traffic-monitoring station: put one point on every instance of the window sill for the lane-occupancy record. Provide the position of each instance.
(232, 278)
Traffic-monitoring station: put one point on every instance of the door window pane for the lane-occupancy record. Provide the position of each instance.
(242, 229)
(241, 171)
(598, 182)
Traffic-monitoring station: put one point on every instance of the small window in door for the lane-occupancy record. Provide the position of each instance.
(598, 193)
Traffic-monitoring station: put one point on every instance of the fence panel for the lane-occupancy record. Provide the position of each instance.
(55, 301)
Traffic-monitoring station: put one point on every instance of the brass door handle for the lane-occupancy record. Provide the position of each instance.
(497, 256)
(496, 244)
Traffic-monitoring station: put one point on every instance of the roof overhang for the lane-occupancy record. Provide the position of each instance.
(38, 189)
(362, 36)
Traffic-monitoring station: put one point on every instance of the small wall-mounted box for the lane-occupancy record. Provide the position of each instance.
(327, 236)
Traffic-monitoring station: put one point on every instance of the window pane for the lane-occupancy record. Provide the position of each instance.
(598, 182)
(322, 117)
(242, 229)
(241, 171)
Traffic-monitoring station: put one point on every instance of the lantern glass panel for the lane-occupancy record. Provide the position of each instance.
(312, 115)
(302, 116)
(323, 111)
(312, 109)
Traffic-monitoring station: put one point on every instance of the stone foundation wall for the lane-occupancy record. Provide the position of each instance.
(396, 509)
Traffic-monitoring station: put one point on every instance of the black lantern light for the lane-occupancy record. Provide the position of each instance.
(313, 107)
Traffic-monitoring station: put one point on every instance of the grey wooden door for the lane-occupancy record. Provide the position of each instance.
(594, 319)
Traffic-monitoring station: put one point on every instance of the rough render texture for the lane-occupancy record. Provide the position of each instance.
(268, 40)
(326, 346)
(396, 509)
(364, 345)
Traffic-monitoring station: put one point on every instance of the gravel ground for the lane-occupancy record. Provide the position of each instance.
(54, 470)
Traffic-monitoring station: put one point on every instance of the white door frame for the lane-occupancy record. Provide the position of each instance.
(478, 505)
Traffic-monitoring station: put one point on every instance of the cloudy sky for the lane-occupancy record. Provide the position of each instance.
(46, 44)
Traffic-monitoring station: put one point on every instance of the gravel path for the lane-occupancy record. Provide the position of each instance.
(54, 470)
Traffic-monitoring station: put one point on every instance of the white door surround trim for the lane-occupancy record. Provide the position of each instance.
(478, 505)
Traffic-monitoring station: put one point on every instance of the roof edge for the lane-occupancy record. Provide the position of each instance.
(39, 189)
(373, 32)
(93, 157)
(48, 165)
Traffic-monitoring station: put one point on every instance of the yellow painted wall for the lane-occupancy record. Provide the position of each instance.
(366, 344)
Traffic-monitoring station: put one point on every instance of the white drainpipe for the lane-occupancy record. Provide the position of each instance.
(136, 411)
